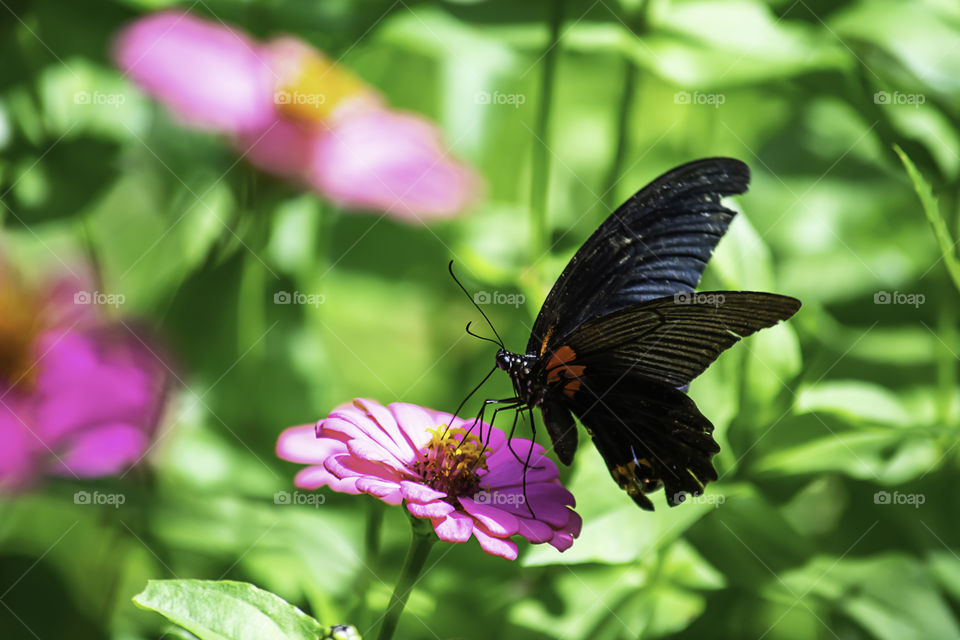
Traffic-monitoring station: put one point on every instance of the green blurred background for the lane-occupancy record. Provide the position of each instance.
(850, 399)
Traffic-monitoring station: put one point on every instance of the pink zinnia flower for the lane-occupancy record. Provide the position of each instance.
(404, 453)
(389, 161)
(293, 112)
(209, 75)
(79, 396)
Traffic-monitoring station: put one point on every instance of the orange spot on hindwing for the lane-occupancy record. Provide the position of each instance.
(559, 371)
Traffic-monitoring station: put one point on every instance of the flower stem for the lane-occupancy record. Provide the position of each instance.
(622, 124)
(421, 542)
(540, 169)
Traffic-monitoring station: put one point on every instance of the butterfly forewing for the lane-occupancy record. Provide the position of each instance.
(674, 339)
(656, 244)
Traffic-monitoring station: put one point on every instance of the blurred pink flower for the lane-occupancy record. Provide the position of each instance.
(79, 396)
(390, 161)
(293, 112)
(407, 453)
(211, 76)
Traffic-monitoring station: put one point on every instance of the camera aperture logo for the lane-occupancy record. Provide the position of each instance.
(696, 297)
(899, 297)
(512, 99)
(498, 297)
(299, 498)
(114, 100)
(912, 99)
(299, 97)
(712, 99)
(97, 498)
(714, 499)
(913, 499)
(498, 498)
(97, 297)
(296, 297)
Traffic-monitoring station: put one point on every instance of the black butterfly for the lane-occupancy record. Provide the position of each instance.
(622, 333)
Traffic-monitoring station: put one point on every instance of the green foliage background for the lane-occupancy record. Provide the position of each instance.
(814, 418)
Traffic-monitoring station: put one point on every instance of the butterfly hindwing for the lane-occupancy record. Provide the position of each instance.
(649, 434)
(619, 375)
(656, 244)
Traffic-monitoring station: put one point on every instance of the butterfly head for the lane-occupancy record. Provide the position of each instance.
(505, 359)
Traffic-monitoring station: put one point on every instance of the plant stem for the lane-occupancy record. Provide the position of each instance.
(371, 556)
(421, 542)
(623, 135)
(540, 168)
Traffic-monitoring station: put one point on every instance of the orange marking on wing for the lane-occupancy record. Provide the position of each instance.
(558, 370)
(571, 387)
(561, 356)
(546, 339)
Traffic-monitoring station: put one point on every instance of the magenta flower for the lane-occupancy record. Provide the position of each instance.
(79, 397)
(404, 453)
(293, 112)
(209, 75)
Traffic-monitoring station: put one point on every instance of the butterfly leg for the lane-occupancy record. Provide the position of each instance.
(507, 404)
(526, 464)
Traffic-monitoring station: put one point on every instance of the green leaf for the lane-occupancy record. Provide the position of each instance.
(855, 400)
(227, 610)
(700, 44)
(892, 596)
(930, 207)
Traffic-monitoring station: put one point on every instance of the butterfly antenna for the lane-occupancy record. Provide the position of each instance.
(499, 340)
(479, 336)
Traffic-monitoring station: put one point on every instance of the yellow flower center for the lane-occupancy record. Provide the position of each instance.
(450, 461)
(19, 326)
(315, 86)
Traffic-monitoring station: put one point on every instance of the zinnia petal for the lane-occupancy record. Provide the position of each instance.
(103, 450)
(431, 510)
(387, 161)
(495, 546)
(211, 76)
(300, 444)
(497, 521)
(456, 527)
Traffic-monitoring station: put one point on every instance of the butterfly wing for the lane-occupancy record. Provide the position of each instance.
(656, 244)
(672, 340)
(619, 374)
(649, 434)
